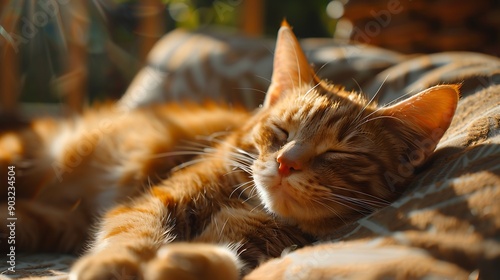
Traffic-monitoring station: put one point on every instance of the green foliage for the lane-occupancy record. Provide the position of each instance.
(309, 19)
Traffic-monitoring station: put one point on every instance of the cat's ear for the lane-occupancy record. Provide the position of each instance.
(424, 117)
(290, 68)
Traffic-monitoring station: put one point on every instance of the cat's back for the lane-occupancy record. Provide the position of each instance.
(110, 153)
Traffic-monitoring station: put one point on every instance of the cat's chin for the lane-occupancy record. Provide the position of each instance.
(281, 199)
(287, 198)
(302, 214)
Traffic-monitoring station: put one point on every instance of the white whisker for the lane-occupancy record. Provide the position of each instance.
(370, 102)
(330, 208)
(396, 100)
(178, 153)
(362, 193)
(187, 163)
(263, 78)
(251, 196)
(322, 66)
(214, 137)
(252, 89)
(237, 187)
(380, 87)
(375, 118)
(359, 87)
(364, 203)
(311, 89)
(339, 200)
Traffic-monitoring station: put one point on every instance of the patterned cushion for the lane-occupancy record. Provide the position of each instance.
(199, 66)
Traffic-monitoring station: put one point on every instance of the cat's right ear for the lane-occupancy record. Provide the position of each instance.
(290, 68)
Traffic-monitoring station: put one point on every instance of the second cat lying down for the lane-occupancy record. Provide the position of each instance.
(312, 159)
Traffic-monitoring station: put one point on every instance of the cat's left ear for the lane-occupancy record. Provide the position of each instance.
(423, 119)
(290, 68)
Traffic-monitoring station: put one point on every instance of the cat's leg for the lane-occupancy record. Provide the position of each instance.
(213, 254)
(128, 237)
(134, 242)
(129, 246)
(233, 242)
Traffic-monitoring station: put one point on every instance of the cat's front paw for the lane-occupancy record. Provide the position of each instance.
(188, 261)
(111, 265)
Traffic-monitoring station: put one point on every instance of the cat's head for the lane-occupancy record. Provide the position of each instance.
(326, 156)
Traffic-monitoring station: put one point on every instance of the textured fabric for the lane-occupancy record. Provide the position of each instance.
(197, 67)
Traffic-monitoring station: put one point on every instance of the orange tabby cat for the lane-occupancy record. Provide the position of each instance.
(312, 159)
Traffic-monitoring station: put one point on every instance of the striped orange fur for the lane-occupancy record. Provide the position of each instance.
(312, 159)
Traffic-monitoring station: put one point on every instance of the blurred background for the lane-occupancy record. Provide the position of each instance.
(74, 52)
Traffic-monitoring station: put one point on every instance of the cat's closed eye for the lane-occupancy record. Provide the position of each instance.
(336, 154)
(331, 154)
(281, 134)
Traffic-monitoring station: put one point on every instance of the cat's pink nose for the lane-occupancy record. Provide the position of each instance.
(286, 166)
